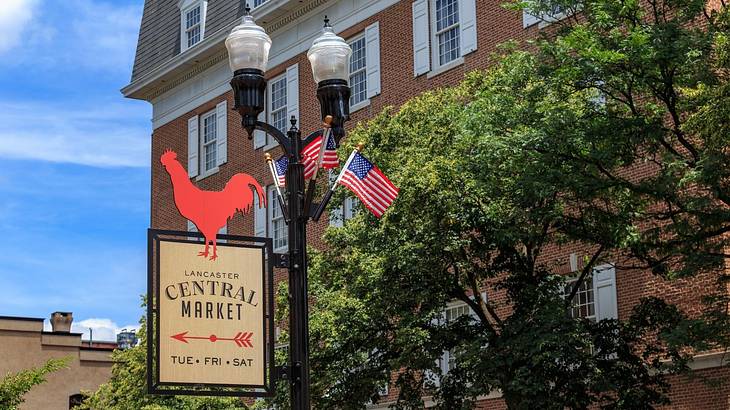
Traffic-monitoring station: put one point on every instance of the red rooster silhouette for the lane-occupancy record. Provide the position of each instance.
(210, 210)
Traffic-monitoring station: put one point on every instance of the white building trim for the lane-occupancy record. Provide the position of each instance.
(289, 41)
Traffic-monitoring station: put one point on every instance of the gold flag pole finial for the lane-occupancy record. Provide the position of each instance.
(328, 121)
(268, 157)
(360, 147)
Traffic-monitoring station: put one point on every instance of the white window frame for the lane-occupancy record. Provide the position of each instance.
(543, 19)
(270, 141)
(185, 7)
(602, 281)
(366, 101)
(435, 57)
(574, 309)
(273, 206)
(258, 3)
(203, 171)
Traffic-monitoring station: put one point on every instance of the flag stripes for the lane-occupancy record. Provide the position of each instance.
(373, 188)
(311, 153)
(282, 163)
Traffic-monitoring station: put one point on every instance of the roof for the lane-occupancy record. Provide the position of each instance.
(159, 33)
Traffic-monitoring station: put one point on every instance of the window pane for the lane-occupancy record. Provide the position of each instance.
(358, 74)
(278, 94)
(448, 45)
(192, 17)
(209, 142)
(584, 305)
(257, 3)
(193, 36)
(278, 120)
(278, 105)
(209, 128)
(447, 13)
(358, 87)
(278, 227)
(210, 156)
(357, 60)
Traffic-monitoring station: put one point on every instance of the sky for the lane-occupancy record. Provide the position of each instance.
(74, 164)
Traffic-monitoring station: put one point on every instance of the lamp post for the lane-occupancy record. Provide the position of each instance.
(248, 50)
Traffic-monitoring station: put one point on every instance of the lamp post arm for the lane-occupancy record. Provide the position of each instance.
(279, 136)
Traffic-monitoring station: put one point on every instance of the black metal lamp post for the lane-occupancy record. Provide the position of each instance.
(248, 50)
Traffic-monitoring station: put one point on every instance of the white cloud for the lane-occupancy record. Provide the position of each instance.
(115, 135)
(103, 329)
(15, 15)
(77, 34)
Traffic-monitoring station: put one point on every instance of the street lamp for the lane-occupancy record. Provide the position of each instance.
(248, 51)
(330, 60)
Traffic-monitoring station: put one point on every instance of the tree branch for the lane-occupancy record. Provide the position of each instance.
(586, 269)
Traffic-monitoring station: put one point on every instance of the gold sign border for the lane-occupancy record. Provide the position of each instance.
(154, 386)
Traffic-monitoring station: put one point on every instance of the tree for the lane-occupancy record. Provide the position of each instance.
(497, 172)
(14, 386)
(127, 388)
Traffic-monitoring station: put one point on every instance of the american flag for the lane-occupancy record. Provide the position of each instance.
(310, 153)
(373, 188)
(282, 163)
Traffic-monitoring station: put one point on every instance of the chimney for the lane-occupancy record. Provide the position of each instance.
(61, 321)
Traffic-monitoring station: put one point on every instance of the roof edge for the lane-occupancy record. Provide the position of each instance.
(140, 88)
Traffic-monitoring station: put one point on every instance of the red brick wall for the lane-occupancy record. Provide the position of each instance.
(697, 393)
(495, 25)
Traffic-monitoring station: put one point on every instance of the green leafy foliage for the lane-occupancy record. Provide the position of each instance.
(15, 385)
(611, 136)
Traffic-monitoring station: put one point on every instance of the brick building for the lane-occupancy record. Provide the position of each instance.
(400, 49)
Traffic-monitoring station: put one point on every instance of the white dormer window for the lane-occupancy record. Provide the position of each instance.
(192, 22)
(257, 3)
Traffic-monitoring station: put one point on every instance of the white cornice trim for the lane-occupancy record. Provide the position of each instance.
(195, 85)
(211, 50)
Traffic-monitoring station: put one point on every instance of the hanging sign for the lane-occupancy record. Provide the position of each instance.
(210, 322)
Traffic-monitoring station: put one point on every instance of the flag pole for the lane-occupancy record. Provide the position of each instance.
(331, 191)
(275, 175)
(309, 196)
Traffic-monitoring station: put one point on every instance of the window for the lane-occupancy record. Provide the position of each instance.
(277, 107)
(364, 67)
(584, 305)
(596, 298)
(446, 32)
(277, 225)
(452, 313)
(358, 71)
(257, 3)
(192, 26)
(192, 22)
(282, 102)
(76, 400)
(443, 32)
(557, 13)
(208, 142)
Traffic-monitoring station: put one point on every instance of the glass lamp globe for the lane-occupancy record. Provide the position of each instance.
(330, 56)
(248, 46)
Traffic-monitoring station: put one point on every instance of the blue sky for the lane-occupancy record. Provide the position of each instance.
(74, 163)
